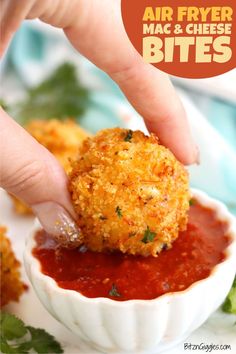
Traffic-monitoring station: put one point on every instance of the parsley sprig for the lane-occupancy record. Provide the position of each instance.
(16, 337)
(61, 95)
(230, 302)
(148, 236)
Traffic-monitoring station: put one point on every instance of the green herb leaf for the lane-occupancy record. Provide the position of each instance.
(60, 96)
(119, 212)
(9, 349)
(191, 202)
(148, 236)
(11, 327)
(129, 136)
(17, 338)
(43, 342)
(230, 302)
(114, 291)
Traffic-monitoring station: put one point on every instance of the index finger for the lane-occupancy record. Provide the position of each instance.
(149, 90)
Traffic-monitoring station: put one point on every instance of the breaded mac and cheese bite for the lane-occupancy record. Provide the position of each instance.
(61, 138)
(11, 286)
(130, 193)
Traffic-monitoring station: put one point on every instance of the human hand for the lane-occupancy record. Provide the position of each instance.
(95, 28)
(31, 172)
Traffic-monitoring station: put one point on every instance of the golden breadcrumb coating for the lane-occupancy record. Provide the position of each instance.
(129, 192)
(11, 286)
(61, 138)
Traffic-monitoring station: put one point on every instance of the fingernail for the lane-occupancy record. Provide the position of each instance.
(57, 222)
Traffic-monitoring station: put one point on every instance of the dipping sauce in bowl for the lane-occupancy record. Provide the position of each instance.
(125, 277)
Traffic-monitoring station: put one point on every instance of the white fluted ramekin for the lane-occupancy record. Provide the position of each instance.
(138, 326)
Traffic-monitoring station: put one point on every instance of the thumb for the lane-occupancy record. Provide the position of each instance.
(31, 173)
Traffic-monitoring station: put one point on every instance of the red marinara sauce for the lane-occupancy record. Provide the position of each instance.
(125, 277)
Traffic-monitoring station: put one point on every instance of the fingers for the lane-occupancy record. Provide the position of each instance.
(58, 13)
(96, 29)
(153, 96)
(101, 37)
(11, 15)
(31, 173)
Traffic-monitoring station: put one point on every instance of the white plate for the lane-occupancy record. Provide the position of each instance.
(220, 329)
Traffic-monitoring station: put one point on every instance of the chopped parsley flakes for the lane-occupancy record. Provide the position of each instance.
(102, 217)
(129, 136)
(114, 291)
(148, 236)
(119, 212)
(191, 202)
